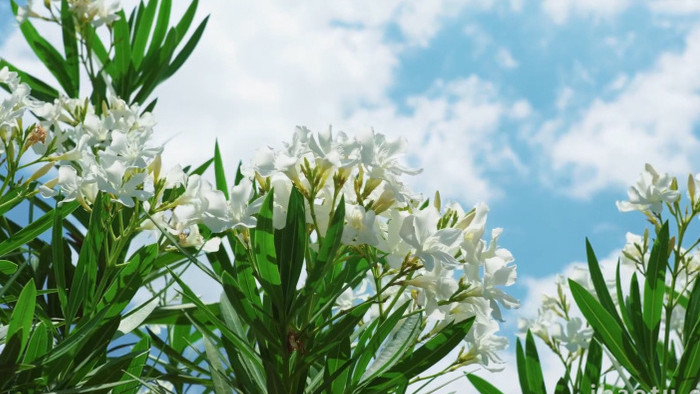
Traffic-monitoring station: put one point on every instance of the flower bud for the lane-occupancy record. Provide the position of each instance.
(40, 172)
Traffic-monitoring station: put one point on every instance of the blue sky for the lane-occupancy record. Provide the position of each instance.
(546, 110)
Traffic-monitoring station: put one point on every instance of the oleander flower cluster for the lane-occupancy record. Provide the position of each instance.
(561, 325)
(95, 12)
(436, 258)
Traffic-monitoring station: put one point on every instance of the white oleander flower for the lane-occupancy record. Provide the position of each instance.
(122, 184)
(650, 193)
(71, 185)
(576, 335)
(633, 252)
(485, 345)
(498, 273)
(432, 246)
(360, 226)
(473, 226)
(97, 12)
(434, 286)
(221, 215)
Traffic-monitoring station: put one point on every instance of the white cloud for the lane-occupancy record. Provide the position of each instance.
(263, 67)
(564, 97)
(505, 59)
(262, 70)
(674, 7)
(454, 135)
(651, 119)
(561, 10)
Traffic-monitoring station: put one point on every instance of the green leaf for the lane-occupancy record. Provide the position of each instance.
(184, 24)
(621, 299)
(135, 318)
(122, 52)
(599, 284)
(522, 368)
(173, 354)
(263, 242)
(134, 369)
(534, 369)
(187, 49)
(70, 47)
(142, 31)
(654, 291)
(637, 329)
(38, 343)
(69, 346)
(241, 343)
(35, 228)
(59, 264)
(243, 368)
(177, 314)
(23, 314)
(342, 329)
(125, 285)
(7, 268)
(482, 385)
(200, 170)
(215, 366)
(692, 313)
(561, 387)
(368, 345)
(85, 277)
(290, 246)
(591, 372)
(246, 308)
(219, 173)
(336, 370)
(334, 234)
(424, 357)
(611, 332)
(161, 26)
(328, 248)
(687, 374)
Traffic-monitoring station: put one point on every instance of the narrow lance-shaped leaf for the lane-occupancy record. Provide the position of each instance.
(70, 46)
(336, 361)
(219, 173)
(23, 314)
(35, 228)
(263, 242)
(692, 313)
(187, 49)
(611, 332)
(425, 356)
(654, 291)
(142, 31)
(534, 369)
(483, 386)
(85, 279)
(134, 369)
(591, 372)
(522, 368)
(290, 245)
(599, 284)
(59, 265)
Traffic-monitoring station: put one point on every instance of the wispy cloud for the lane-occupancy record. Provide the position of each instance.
(652, 118)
